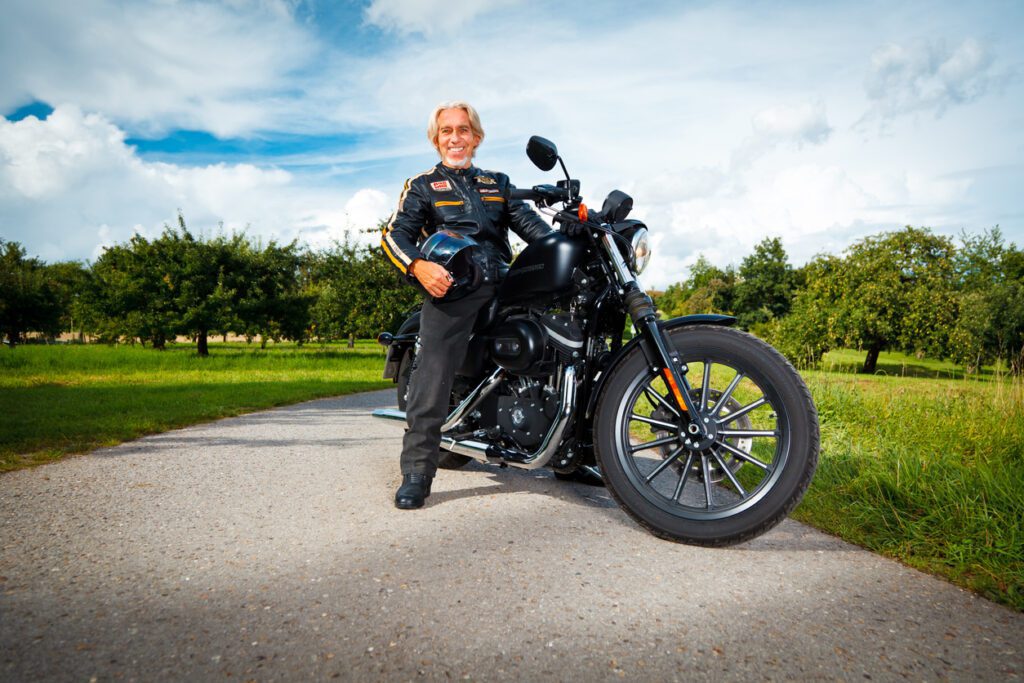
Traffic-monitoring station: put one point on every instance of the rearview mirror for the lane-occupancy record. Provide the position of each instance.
(542, 153)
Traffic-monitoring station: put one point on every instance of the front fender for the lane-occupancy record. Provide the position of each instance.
(664, 326)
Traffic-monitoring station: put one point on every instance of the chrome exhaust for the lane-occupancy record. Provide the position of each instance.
(468, 403)
(390, 414)
(486, 452)
(477, 395)
(528, 461)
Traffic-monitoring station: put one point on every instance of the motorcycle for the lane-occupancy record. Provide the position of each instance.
(702, 433)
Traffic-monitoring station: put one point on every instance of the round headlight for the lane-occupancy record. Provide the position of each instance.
(641, 250)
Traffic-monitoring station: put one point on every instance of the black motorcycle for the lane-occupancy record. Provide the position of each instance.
(702, 433)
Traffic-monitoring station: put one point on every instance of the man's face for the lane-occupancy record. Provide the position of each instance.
(455, 139)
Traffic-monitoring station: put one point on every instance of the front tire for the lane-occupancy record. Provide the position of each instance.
(741, 481)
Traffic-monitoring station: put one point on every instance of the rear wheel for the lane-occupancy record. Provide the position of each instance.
(404, 375)
(448, 460)
(740, 481)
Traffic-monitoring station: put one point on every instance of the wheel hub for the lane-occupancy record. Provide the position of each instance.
(691, 438)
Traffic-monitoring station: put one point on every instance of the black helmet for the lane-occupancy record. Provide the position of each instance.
(459, 255)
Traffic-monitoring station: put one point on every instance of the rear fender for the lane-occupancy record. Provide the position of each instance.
(664, 326)
(403, 340)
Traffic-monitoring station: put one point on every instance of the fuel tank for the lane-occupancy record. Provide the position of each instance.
(543, 270)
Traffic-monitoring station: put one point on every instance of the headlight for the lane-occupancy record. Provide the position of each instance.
(641, 250)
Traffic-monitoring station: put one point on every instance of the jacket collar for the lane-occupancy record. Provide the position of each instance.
(468, 172)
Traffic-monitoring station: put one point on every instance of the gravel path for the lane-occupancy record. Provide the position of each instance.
(267, 547)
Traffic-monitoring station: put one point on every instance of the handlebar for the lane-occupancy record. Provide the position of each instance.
(543, 194)
(521, 194)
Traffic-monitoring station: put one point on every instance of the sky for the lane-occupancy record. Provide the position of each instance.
(727, 122)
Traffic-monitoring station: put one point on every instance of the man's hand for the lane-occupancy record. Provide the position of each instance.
(572, 228)
(434, 278)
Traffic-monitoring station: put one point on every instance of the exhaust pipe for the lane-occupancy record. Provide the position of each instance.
(468, 403)
(485, 452)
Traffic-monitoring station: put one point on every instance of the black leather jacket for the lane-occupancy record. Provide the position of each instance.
(469, 201)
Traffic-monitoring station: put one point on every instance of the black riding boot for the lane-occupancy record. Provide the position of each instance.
(413, 492)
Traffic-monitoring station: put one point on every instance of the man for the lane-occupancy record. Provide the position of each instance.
(457, 196)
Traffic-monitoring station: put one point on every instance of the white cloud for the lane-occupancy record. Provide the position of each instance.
(429, 17)
(69, 185)
(223, 68)
(42, 158)
(813, 208)
(725, 122)
(799, 124)
(782, 126)
(366, 208)
(927, 76)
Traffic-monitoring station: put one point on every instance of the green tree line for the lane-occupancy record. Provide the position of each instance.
(908, 290)
(153, 290)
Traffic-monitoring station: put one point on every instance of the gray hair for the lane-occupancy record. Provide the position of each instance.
(474, 120)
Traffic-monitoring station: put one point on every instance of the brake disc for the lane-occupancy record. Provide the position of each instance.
(731, 461)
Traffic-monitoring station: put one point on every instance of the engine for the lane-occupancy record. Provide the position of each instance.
(534, 346)
(527, 414)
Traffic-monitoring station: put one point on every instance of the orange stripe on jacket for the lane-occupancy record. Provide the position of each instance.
(397, 256)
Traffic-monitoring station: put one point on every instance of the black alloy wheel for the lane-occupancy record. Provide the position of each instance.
(745, 476)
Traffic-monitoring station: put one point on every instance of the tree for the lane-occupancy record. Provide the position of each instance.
(807, 332)
(180, 283)
(358, 293)
(708, 289)
(29, 299)
(203, 286)
(764, 289)
(132, 293)
(991, 303)
(71, 280)
(894, 290)
(270, 301)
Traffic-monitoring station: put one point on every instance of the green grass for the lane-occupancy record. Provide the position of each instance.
(930, 472)
(894, 364)
(56, 400)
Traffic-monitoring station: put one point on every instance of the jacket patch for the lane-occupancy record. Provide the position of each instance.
(486, 180)
(441, 186)
(488, 191)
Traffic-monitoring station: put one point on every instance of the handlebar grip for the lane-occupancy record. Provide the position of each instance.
(546, 194)
(522, 194)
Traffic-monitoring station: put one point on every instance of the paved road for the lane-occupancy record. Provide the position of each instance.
(266, 547)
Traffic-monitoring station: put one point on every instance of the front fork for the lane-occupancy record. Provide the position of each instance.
(662, 360)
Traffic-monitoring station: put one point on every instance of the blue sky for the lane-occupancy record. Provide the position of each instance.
(727, 122)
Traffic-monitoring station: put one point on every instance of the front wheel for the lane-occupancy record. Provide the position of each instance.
(751, 470)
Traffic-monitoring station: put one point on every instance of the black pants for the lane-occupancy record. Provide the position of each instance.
(445, 329)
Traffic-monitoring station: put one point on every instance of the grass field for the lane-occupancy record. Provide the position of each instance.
(56, 400)
(929, 471)
(917, 462)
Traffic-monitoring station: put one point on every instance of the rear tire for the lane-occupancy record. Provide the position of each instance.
(447, 459)
(729, 488)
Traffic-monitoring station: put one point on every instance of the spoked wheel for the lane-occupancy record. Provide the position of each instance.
(745, 476)
(730, 461)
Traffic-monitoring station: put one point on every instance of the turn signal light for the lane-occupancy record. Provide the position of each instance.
(670, 380)
(583, 212)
